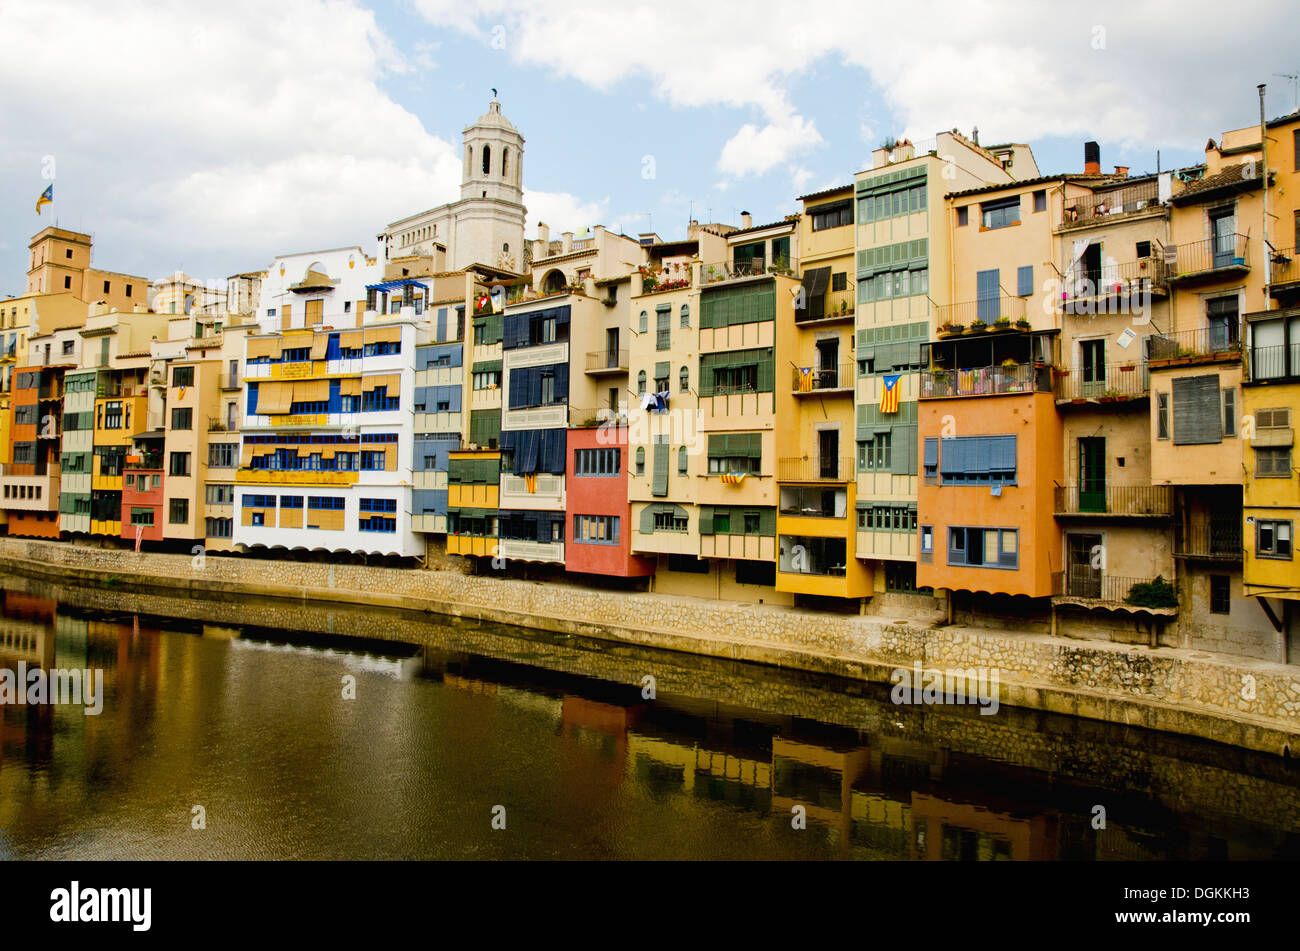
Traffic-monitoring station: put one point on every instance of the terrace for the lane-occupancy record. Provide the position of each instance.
(1095, 589)
(1114, 501)
(1225, 255)
(822, 381)
(1102, 207)
(1110, 383)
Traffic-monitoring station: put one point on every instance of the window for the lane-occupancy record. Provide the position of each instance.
(1162, 415)
(1040, 200)
(182, 376)
(640, 383)
(840, 281)
(1225, 326)
(112, 415)
(875, 454)
(1220, 594)
(183, 418)
(180, 464)
(963, 217)
(886, 517)
(142, 516)
(596, 462)
(487, 380)
(927, 539)
(1198, 413)
(683, 462)
(1229, 397)
(374, 460)
(1143, 249)
(330, 503)
(67, 282)
(377, 400)
(735, 452)
(987, 460)
(179, 511)
(644, 325)
(1273, 462)
(984, 547)
(1272, 538)
(901, 199)
(219, 527)
(1001, 213)
(596, 529)
(685, 317)
(221, 455)
(1025, 280)
(68, 346)
(640, 460)
(220, 495)
(663, 334)
(669, 521)
(831, 215)
(684, 380)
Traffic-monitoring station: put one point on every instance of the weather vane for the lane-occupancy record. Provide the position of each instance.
(494, 92)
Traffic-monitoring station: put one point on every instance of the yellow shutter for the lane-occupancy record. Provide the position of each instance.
(350, 341)
(350, 386)
(315, 312)
(263, 347)
(318, 346)
(383, 335)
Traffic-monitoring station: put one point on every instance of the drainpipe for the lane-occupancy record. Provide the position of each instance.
(1263, 161)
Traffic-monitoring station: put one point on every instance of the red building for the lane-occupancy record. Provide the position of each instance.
(29, 485)
(596, 505)
(142, 489)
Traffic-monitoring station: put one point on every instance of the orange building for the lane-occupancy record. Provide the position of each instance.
(29, 485)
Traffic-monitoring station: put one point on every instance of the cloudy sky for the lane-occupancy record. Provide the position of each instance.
(210, 137)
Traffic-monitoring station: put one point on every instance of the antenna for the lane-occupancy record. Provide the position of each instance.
(1295, 86)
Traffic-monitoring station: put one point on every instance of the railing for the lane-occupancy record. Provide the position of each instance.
(154, 461)
(230, 381)
(1286, 267)
(726, 271)
(1217, 540)
(1154, 501)
(667, 279)
(799, 469)
(1107, 205)
(987, 309)
(1222, 341)
(813, 379)
(1088, 585)
(606, 360)
(1210, 254)
(984, 381)
(1111, 279)
(216, 425)
(1270, 363)
(1114, 382)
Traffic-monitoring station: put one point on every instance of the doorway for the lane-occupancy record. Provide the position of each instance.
(828, 452)
(1092, 474)
(1082, 576)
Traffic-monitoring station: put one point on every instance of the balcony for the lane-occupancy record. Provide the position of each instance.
(809, 381)
(1113, 501)
(231, 381)
(1285, 279)
(1274, 363)
(601, 362)
(806, 469)
(30, 493)
(1218, 539)
(758, 267)
(527, 550)
(1131, 284)
(986, 381)
(1104, 207)
(987, 309)
(152, 461)
(1086, 587)
(1211, 259)
(661, 280)
(1114, 383)
(1216, 344)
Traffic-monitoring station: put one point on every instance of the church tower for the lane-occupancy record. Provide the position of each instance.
(494, 153)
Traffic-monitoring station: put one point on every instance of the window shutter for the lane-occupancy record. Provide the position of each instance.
(660, 483)
(766, 376)
(931, 451)
(706, 519)
(767, 522)
(1025, 280)
(661, 370)
(902, 445)
(1197, 410)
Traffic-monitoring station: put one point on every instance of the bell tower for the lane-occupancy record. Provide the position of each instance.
(493, 161)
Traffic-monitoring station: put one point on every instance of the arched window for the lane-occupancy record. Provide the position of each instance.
(684, 380)
(487, 159)
(645, 322)
(640, 457)
(682, 462)
(686, 315)
(640, 383)
(505, 162)
(505, 248)
(554, 282)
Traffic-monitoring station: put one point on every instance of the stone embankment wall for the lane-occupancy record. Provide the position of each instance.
(1245, 702)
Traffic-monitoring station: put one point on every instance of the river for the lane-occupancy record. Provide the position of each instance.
(274, 730)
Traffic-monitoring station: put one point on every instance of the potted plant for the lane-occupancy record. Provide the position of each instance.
(950, 329)
(977, 327)
(1001, 324)
(844, 306)
(1022, 323)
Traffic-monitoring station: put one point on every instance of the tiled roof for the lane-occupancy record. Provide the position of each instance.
(1041, 180)
(789, 219)
(1235, 177)
(826, 192)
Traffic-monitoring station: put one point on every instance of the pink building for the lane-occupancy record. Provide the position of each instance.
(597, 509)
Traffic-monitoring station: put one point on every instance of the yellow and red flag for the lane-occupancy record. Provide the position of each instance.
(47, 198)
(889, 393)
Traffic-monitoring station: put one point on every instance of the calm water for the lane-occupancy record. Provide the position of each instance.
(219, 706)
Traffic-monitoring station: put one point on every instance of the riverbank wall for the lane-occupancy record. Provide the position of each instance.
(1239, 701)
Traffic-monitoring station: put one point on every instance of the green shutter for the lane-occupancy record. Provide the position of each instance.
(902, 450)
(486, 366)
(659, 486)
(648, 519)
(766, 371)
(706, 519)
(662, 370)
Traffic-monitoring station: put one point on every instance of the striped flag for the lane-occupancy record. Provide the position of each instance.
(47, 197)
(889, 393)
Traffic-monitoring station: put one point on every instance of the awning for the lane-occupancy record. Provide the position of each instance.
(350, 386)
(318, 347)
(350, 341)
(263, 347)
(393, 381)
(383, 335)
(815, 282)
(274, 397)
(311, 391)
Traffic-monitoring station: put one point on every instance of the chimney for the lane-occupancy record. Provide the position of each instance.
(543, 233)
(1091, 158)
(566, 242)
(1121, 171)
(746, 221)
(975, 135)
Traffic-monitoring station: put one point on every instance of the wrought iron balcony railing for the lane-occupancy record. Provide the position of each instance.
(986, 381)
(1198, 258)
(805, 380)
(1148, 501)
(1110, 383)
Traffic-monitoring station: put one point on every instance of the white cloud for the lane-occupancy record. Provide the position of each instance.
(562, 212)
(225, 137)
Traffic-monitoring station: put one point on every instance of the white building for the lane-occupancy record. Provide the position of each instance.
(487, 225)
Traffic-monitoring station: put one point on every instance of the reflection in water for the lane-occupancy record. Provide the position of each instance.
(251, 723)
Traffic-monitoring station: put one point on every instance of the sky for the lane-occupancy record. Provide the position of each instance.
(212, 137)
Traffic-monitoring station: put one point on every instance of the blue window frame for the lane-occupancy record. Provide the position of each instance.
(373, 460)
(974, 460)
(984, 547)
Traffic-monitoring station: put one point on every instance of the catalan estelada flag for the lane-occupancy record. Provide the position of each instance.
(732, 478)
(47, 198)
(889, 393)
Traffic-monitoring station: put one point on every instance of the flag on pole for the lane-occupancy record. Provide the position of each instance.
(889, 393)
(47, 198)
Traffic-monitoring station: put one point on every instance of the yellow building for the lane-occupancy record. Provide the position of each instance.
(60, 262)
(816, 476)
